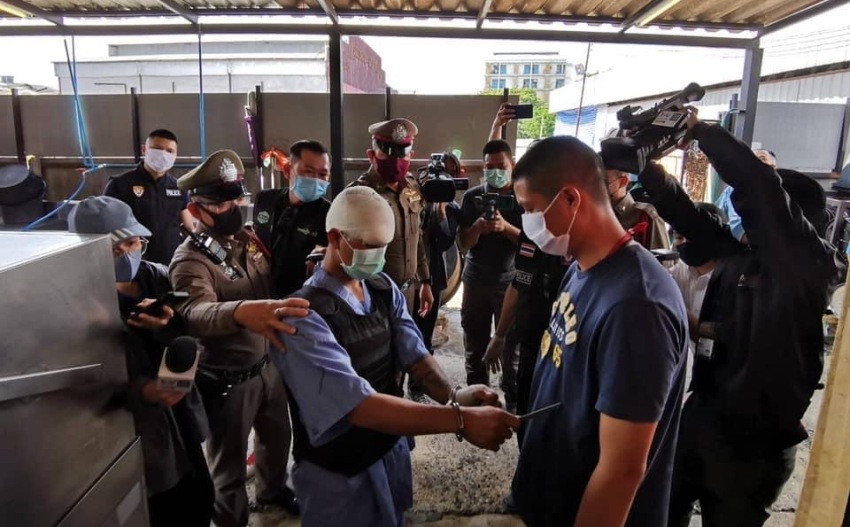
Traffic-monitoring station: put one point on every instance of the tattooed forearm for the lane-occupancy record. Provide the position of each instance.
(430, 377)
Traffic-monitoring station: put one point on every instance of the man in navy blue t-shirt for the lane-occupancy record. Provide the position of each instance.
(613, 356)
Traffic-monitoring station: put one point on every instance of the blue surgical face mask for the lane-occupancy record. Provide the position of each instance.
(365, 263)
(127, 265)
(309, 189)
(497, 177)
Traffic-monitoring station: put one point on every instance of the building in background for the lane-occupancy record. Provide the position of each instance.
(7, 84)
(297, 65)
(542, 71)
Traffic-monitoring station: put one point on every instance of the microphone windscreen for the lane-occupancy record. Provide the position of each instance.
(180, 355)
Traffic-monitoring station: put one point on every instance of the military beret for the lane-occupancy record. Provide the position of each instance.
(218, 178)
(396, 131)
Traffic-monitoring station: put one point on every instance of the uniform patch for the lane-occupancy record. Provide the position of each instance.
(138, 190)
(545, 342)
(307, 232)
(524, 277)
(172, 193)
(412, 195)
(263, 218)
(527, 250)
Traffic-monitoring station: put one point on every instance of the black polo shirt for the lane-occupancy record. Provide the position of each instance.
(491, 261)
(538, 282)
(157, 205)
(290, 233)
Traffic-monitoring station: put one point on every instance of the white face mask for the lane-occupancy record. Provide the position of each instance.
(159, 160)
(534, 225)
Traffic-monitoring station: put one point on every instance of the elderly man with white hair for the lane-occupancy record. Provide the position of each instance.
(343, 367)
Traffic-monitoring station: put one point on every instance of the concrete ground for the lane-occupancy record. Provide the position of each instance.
(456, 484)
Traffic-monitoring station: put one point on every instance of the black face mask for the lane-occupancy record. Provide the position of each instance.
(693, 255)
(227, 223)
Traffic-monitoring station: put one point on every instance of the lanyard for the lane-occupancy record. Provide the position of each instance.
(620, 244)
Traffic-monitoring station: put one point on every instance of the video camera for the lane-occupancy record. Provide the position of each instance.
(646, 135)
(437, 185)
(489, 203)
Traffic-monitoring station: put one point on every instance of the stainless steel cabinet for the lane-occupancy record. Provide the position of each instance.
(68, 451)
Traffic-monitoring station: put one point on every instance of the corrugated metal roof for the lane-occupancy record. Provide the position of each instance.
(718, 12)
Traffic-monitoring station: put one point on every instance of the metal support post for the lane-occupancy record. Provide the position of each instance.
(259, 138)
(388, 104)
(746, 121)
(336, 95)
(202, 118)
(19, 127)
(506, 93)
(137, 133)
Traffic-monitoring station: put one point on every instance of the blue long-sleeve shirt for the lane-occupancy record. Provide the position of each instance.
(319, 374)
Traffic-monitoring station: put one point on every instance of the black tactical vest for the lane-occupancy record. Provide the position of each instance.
(368, 341)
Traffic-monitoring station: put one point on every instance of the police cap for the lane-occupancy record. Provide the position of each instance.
(217, 179)
(395, 131)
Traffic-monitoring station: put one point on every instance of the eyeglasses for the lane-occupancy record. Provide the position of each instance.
(393, 150)
(128, 246)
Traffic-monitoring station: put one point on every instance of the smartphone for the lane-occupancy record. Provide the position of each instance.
(156, 309)
(523, 111)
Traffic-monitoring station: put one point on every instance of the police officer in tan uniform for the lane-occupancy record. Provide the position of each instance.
(226, 272)
(640, 219)
(389, 176)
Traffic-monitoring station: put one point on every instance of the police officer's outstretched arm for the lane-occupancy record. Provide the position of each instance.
(205, 316)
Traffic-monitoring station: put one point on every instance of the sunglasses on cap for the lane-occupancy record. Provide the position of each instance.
(392, 149)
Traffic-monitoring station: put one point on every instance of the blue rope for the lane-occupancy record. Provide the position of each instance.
(70, 198)
(82, 133)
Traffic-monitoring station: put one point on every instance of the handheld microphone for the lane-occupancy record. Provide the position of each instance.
(178, 366)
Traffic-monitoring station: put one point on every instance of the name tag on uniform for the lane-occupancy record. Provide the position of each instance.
(705, 349)
(524, 277)
(172, 193)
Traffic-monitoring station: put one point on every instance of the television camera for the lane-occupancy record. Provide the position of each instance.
(436, 184)
(646, 135)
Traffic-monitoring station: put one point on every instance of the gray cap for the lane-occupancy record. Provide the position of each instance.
(105, 215)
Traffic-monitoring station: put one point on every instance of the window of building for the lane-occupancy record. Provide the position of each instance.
(497, 84)
(559, 83)
(531, 69)
(498, 69)
(560, 69)
(529, 83)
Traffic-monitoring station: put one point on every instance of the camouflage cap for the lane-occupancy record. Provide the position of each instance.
(396, 131)
(217, 179)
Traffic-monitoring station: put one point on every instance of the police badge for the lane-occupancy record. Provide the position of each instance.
(400, 133)
(227, 171)
(138, 190)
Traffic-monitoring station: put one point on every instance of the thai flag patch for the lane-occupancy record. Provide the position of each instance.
(527, 250)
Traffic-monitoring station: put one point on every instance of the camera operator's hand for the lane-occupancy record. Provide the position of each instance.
(151, 322)
(506, 114)
(693, 120)
(483, 226)
(498, 224)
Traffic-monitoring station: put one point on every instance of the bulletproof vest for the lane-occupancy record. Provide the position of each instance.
(368, 341)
